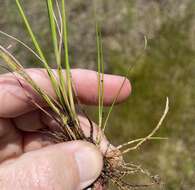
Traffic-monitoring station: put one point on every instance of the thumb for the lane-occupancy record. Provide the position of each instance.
(71, 166)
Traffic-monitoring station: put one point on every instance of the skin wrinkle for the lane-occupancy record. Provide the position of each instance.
(36, 141)
(11, 142)
(4, 130)
(33, 120)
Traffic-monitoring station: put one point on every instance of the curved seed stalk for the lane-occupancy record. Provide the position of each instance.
(153, 132)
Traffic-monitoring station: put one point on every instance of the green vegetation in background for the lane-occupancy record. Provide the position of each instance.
(167, 69)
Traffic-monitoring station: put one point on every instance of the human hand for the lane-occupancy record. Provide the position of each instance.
(29, 160)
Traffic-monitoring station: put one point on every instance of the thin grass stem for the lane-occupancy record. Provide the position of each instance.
(62, 95)
(154, 130)
(138, 140)
(37, 46)
(22, 43)
(67, 64)
(38, 49)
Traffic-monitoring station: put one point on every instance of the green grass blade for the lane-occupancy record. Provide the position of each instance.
(39, 50)
(60, 26)
(63, 96)
(60, 73)
(31, 50)
(36, 44)
(100, 73)
(113, 103)
(53, 31)
(67, 65)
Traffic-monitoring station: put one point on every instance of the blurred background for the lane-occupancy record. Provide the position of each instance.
(167, 68)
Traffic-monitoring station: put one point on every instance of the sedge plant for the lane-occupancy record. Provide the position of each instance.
(64, 106)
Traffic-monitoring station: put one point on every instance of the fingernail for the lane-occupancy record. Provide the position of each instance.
(90, 163)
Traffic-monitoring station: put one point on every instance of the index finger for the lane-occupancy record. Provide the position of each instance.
(14, 101)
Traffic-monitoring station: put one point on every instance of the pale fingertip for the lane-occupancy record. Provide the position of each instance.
(90, 163)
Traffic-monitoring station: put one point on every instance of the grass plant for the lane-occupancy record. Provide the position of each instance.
(64, 107)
